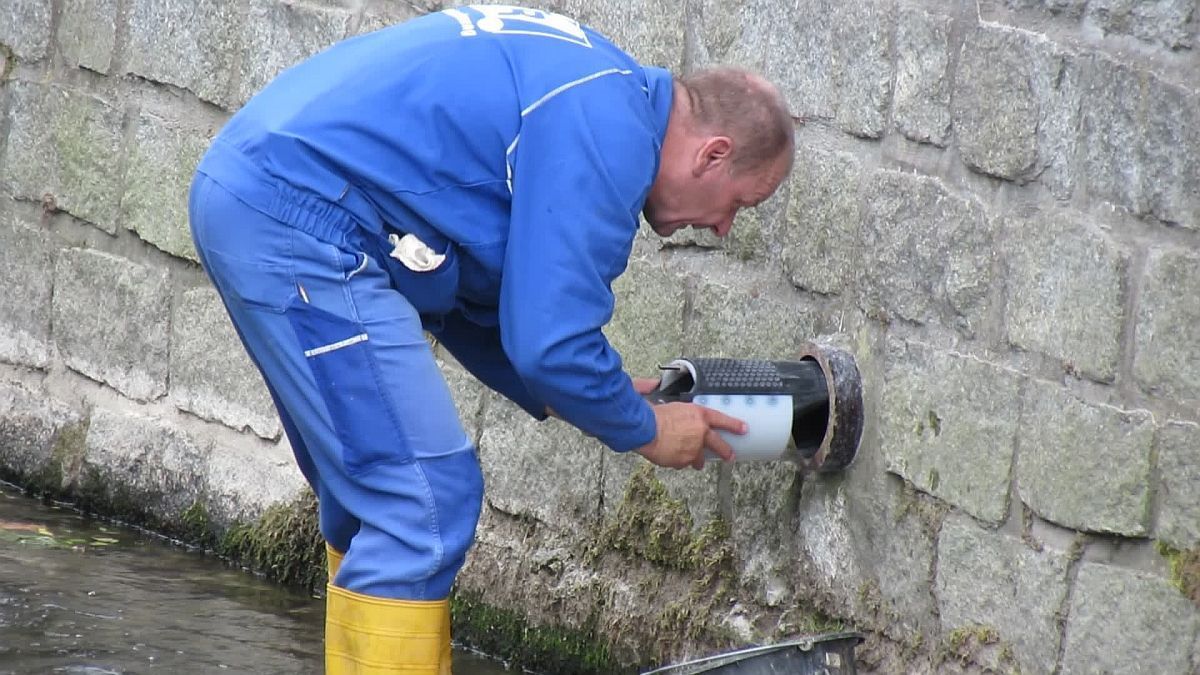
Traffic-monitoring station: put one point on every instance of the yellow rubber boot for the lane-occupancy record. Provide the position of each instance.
(333, 560)
(366, 635)
(446, 651)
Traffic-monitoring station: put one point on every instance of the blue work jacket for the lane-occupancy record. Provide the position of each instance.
(517, 143)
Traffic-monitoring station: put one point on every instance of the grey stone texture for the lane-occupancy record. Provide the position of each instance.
(383, 13)
(36, 431)
(837, 67)
(989, 579)
(25, 28)
(545, 470)
(1083, 465)
(948, 424)
(1029, 131)
(162, 162)
(1179, 490)
(930, 252)
(745, 316)
(64, 147)
(1171, 181)
(277, 35)
(243, 480)
(647, 324)
(1125, 621)
(1166, 358)
(91, 288)
(697, 490)
(1071, 8)
(1160, 22)
(651, 30)
(921, 107)
(379, 14)
(1112, 134)
(1066, 293)
(87, 33)
(206, 31)
(470, 395)
(1141, 142)
(211, 374)
(864, 544)
(822, 237)
(144, 461)
(862, 64)
(25, 256)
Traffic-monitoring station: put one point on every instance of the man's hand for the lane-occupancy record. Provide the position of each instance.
(684, 431)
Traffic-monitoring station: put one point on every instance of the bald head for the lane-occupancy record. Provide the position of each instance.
(746, 108)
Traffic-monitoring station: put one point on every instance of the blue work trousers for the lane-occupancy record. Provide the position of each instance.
(369, 416)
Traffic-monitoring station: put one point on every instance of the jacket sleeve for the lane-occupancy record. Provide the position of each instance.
(478, 349)
(581, 168)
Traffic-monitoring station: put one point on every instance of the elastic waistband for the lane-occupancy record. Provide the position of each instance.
(341, 223)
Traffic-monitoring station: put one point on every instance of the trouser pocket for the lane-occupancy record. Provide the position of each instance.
(339, 353)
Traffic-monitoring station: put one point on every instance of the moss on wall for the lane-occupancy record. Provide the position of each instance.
(1185, 570)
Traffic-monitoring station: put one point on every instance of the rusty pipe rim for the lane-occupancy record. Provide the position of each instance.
(844, 423)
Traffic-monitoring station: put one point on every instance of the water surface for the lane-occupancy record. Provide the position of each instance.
(83, 596)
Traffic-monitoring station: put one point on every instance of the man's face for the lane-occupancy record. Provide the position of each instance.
(708, 199)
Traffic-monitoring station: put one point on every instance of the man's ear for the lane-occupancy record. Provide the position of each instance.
(713, 153)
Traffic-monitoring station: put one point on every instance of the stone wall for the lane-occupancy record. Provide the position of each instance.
(995, 206)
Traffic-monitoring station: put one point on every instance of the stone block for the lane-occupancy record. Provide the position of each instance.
(162, 162)
(948, 424)
(764, 498)
(383, 13)
(651, 30)
(144, 463)
(41, 437)
(1029, 132)
(470, 395)
(647, 325)
(1179, 487)
(921, 107)
(866, 546)
(1112, 133)
(835, 68)
(1166, 358)
(26, 277)
(988, 579)
(207, 31)
(111, 321)
(244, 480)
(1066, 293)
(781, 41)
(1071, 8)
(862, 64)
(545, 470)
(25, 28)
(1084, 466)
(932, 253)
(1162, 22)
(1152, 632)
(87, 33)
(821, 237)
(211, 375)
(697, 491)
(738, 315)
(64, 147)
(1171, 170)
(279, 34)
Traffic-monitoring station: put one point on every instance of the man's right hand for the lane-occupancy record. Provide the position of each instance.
(685, 430)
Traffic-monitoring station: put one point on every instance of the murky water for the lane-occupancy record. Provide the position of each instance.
(81, 596)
